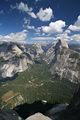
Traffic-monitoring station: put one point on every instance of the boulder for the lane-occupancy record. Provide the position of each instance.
(38, 116)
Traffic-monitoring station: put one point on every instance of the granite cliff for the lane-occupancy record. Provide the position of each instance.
(63, 61)
(15, 58)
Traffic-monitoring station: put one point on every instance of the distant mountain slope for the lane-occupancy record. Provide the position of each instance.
(15, 58)
(63, 61)
(36, 83)
(33, 78)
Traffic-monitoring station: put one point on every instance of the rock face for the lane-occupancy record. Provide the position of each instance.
(16, 57)
(16, 50)
(72, 112)
(63, 62)
(13, 59)
(38, 116)
(75, 102)
(12, 67)
(9, 115)
(39, 49)
(62, 43)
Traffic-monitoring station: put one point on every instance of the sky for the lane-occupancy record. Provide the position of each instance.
(42, 21)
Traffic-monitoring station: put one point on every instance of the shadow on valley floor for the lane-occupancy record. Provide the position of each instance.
(26, 110)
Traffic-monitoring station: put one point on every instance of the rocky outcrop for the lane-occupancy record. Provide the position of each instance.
(9, 115)
(38, 116)
(14, 66)
(57, 112)
(16, 50)
(13, 59)
(39, 49)
(63, 62)
(72, 112)
(62, 43)
(16, 57)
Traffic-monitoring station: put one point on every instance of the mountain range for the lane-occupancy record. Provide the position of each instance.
(32, 72)
(63, 62)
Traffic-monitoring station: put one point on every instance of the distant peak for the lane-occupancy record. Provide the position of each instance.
(63, 43)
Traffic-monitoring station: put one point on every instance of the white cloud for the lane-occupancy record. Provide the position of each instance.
(68, 37)
(77, 23)
(30, 27)
(19, 37)
(54, 27)
(27, 25)
(76, 26)
(43, 38)
(67, 31)
(63, 36)
(32, 14)
(76, 37)
(23, 7)
(45, 14)
(26, 21)
(38, 29)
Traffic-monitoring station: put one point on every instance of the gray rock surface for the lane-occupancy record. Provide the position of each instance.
(72, 112)
(38, 116)
(15, 57)
(9, 115)
(63, 62)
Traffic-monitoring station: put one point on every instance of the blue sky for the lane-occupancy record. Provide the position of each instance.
(39, 20)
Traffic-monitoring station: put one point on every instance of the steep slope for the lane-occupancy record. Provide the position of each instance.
(9, 115)
(15, 58)
(72, 112)
(33, 80)
(38, 116)
(63, 62)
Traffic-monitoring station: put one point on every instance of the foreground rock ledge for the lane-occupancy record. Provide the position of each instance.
(38, 116)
